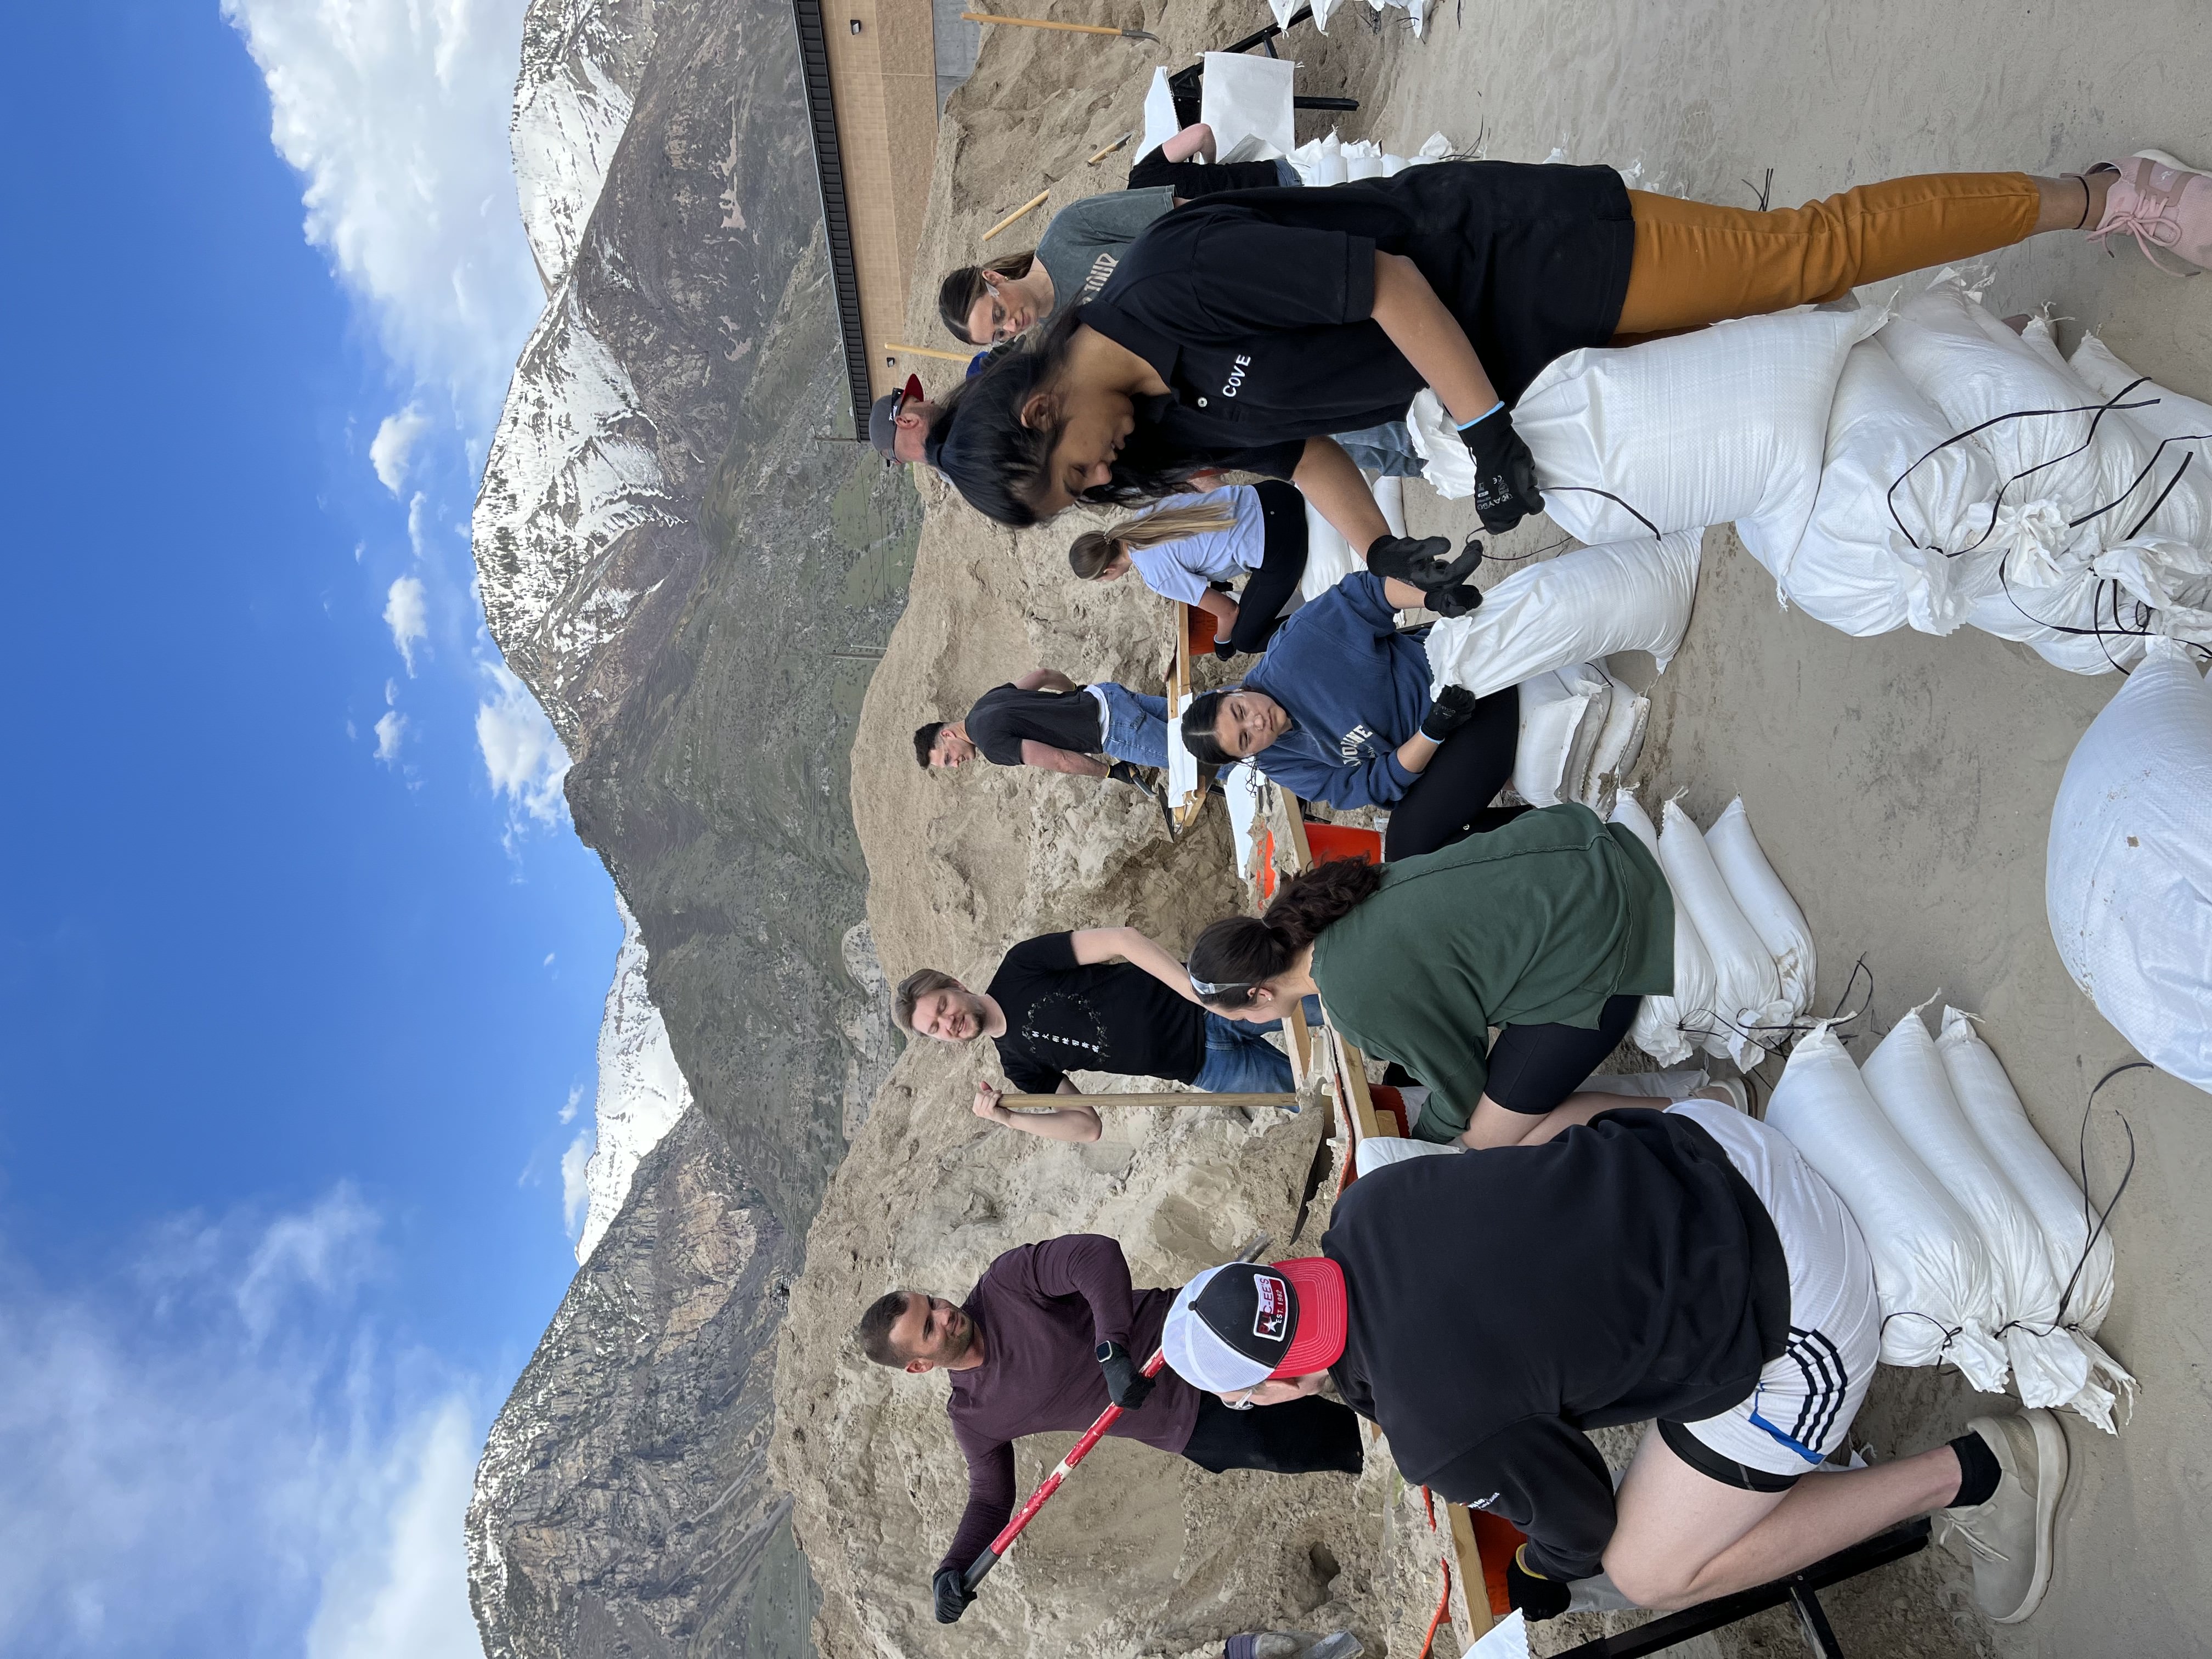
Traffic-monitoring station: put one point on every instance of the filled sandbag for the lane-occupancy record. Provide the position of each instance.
(2079, 1247)
(1906, 1077)
(1619, 744)
(1929, 1266)
(1722, 424)
(1765, 904)
(1579, 607)
(1895, 503)
(2127, 873)
(2168, 416)
(1748, 999)
(1557, 713)
(1671, 1028)
(1329, 558)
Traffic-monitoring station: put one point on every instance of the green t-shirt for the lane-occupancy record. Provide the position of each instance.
(1537, 923)
(1087, 239)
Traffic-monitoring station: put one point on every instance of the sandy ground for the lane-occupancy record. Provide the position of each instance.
(1901, 786)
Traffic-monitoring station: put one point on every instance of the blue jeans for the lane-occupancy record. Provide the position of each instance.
(1240, 1060)
(1135, 726)
(1387, 449)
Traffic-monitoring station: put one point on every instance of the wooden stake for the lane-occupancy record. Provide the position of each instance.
(1030, 206)
(928, 351)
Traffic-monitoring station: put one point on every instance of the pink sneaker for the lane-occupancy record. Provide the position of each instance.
(2165, 206)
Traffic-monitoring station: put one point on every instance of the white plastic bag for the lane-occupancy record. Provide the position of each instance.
(1555, 707)
(1726, 423)
(1246, 100)
(1929, 1266)
(1619, 743)
(1765, 904)
(1749, 1000)
(1671, 1028)
(2128, 876)
(1906, 1077)
(2080, 1249)
(1579, 607)
(1880, 550)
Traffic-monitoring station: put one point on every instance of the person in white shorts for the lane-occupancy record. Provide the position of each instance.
(1684, 1267)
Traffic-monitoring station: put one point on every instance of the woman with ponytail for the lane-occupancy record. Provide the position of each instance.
(1555, 927)
(1188, 547)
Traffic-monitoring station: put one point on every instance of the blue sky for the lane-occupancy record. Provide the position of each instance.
(303, 963)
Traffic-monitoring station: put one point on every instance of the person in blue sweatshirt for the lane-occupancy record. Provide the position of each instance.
(1338, 711)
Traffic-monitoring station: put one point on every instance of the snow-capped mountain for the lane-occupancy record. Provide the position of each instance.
(580, 62)
(641, 1089)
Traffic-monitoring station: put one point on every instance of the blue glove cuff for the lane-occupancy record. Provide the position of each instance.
(1485, 416)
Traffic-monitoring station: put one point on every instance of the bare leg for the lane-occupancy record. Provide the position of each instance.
(2075, 201)
(1684, 1537)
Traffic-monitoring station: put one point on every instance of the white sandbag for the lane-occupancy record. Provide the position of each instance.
(1749, 997)
(1671, 1028)
(1329, 558)
(1244, 794)
(1381, 1151)
(1619, 743)
(2166, 416)
(1906, 1077)
(2083, 622)
(1765, 904)
(1878, 554)
(1554, 709)
(1286, 9)
(1726, 423)
(1363, 160)
(1929, 1268)
(1579, 607)
(2041, 336)
(1598, 685)
(1160, 121)
(1246, 100)
(1445, 460)
(1389, 491)
(2079, 1248)
(2128, 874)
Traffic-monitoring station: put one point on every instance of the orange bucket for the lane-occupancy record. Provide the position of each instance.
(1340, 840)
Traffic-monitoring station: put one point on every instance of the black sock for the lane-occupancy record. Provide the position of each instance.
(1978, 1471)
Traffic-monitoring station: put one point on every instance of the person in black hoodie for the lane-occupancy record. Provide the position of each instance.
(1686, 1266)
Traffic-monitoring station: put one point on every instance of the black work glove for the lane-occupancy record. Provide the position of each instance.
(1122, 772)
(1454, 708)
(952, 1594)
(1461, 601)
(1537, 1597)
(1505, 472)
(1126, 1386)
(1427, 564)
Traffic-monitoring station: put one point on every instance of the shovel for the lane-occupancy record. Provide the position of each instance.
(1073, 28)
(989, 1558)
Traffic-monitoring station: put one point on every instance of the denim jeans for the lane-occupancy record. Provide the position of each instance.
(1239, 1059)
(1134, 725)
(1387, 449)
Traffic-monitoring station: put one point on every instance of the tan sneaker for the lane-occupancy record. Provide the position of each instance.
(2007, 1540)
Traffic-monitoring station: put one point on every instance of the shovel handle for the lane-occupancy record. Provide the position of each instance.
(1040, 23)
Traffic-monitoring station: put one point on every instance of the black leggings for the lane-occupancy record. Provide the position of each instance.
(1533, 1067)
(1260, 606)
(1296, 1437)
(1451, 800)
(1192, 180)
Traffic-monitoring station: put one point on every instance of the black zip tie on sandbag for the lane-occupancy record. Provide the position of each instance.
(2102, 1218)
(1951, 1332)
(1591, 490)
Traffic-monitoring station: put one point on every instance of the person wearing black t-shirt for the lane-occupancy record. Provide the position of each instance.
(1047, 720)
(1062, 1003)
(1239, 331)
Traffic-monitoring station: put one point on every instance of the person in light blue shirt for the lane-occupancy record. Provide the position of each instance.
(1190, 546)
(1338, 711)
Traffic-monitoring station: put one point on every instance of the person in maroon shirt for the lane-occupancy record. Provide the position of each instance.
(1045, 1342)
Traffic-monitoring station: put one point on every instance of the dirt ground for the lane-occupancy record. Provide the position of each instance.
(1901, 786)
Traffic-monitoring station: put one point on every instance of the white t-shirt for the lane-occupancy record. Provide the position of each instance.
(1182, 570)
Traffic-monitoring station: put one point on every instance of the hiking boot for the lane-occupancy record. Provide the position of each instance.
(2007, 1540)
(2165, 206)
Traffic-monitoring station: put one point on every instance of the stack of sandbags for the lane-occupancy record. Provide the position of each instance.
(1330, 161)
(1983, 1252)
(1743, 956)
(2128, 873)
(1581, 731)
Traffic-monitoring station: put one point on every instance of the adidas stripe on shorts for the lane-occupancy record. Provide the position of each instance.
(1806, 1399)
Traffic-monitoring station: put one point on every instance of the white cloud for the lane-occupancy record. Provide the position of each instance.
(218, 1430)
(522, 755)
(575, 1189)
(418, 525)
(396, 113)
(576, 1100)
(393, 447)
(407, 614)
(391, 731)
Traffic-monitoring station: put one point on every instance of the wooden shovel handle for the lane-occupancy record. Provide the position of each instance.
(1039, 23)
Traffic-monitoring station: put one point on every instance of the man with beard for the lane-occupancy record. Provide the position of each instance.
(1047, 1339)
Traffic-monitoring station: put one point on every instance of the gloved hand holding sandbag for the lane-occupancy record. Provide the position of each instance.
(1428, 565)
(1505, 472)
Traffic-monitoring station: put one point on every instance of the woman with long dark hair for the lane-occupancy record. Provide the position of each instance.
(1555, 927)
(1239, 331)
(1338, 711)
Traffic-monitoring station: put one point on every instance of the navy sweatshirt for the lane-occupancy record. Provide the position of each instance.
(1355, 686)
(1501, 1302)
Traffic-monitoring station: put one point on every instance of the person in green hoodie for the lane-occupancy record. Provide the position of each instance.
(1553, 928)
